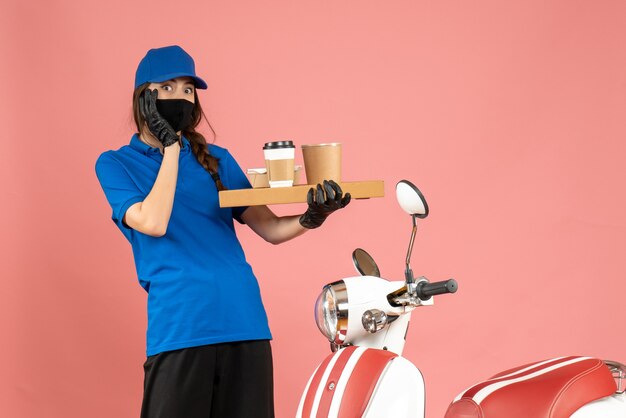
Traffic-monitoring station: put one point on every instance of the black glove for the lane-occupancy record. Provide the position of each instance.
(320, 207)
(159, 127)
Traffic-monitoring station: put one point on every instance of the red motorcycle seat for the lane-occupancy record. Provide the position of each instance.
(553, 388)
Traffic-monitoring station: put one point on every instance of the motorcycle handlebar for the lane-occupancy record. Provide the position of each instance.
(425, 290)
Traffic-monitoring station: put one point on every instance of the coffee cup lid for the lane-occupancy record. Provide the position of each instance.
(278, 144)
(326, 144)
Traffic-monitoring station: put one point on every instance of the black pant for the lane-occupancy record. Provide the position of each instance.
(227, 380)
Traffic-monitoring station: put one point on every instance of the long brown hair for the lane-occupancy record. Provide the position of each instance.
(198, 142)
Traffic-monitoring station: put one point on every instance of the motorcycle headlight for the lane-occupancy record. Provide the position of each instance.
(331, 312)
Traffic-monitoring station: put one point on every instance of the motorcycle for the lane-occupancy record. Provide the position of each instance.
(366, 318)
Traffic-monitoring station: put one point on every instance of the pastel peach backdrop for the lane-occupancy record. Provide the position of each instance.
(509, 115)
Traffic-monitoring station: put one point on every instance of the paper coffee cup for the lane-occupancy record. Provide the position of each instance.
(279, 162)
(322, 162)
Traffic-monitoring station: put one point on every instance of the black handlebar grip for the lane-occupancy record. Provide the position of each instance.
(425, 290)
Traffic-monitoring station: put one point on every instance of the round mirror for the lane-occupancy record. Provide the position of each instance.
(411, 200)
(364, 263)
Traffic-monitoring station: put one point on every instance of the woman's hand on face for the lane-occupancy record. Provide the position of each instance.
(158, 126)
(321, 206)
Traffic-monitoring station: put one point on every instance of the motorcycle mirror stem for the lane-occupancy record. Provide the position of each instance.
(408, 272)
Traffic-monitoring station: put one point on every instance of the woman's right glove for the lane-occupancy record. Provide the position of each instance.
(159, 127)
(320, 207)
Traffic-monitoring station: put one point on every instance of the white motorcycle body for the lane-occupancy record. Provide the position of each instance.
(369, 378)
(609, 407)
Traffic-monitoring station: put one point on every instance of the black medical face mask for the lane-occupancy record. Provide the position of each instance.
(177, 112)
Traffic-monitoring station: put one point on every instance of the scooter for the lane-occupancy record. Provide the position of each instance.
(366, 318)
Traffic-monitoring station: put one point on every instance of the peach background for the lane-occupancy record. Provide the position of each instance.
(508, 115)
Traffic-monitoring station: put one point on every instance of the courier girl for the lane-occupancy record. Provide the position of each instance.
(208, 348)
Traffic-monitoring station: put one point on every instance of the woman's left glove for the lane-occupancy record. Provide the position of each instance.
(321, 206)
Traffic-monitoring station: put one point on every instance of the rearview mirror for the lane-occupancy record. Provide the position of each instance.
(364, 263)
(411, 200)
